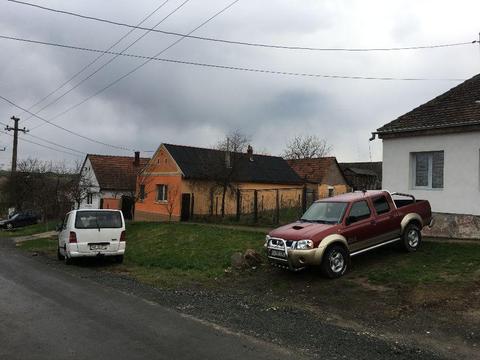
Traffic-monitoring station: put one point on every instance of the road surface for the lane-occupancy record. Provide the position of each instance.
(47, 313)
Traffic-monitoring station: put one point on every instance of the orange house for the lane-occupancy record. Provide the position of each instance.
(181, 181)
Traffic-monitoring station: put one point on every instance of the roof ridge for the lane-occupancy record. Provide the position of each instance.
(218, 150)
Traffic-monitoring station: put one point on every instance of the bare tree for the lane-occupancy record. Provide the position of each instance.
(306, 147)
(171, 200)
(234, 141)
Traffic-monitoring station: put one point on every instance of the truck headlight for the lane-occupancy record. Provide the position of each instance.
(304, 244)
(267, 239)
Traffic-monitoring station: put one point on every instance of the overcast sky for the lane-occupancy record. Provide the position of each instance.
(183, 104)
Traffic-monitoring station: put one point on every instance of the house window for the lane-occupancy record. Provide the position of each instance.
(141, 194)
(162, 192)
(427, 170)
(89, 198)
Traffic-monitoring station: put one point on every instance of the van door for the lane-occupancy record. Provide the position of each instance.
(98, 231)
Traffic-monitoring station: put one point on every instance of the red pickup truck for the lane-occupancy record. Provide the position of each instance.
(334, 229)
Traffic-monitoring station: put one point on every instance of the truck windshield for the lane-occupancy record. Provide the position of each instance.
(98, 219)
(325, 212)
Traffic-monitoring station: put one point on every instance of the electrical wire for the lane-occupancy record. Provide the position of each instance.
(109, 61)
(243, 43)
(41, 145)
(97, 58)
(65, 129)
(227, 67)
(141, 65)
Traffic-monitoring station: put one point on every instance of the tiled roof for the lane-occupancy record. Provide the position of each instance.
(456, 107)
(312, 170)
(209, 164)
(116, 172)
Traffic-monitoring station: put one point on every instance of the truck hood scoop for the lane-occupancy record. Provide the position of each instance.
(297, 227)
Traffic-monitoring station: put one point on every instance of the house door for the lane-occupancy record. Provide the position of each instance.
(185, 213)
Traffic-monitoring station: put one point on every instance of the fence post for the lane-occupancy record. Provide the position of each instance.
(255, 206)
(239, 205)
(277, 207)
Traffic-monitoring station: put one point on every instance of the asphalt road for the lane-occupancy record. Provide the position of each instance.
(47, 313)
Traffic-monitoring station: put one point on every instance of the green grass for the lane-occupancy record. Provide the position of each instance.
(32, 229)
(193, 251)
(434, 262)
(46, 245)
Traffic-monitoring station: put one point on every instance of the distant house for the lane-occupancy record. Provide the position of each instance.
(323, 176)
(363, 175)
(110, 181)
(433, 152)
(182, 181)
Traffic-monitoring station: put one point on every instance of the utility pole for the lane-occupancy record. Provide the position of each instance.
(15, 140)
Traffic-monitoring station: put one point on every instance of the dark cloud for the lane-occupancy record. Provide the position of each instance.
(191, 105)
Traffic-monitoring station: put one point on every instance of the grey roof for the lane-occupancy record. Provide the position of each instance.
(209, 164)
(370, 168)
(457, 107)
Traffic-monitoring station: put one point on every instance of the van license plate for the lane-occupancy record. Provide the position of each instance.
(98, 247)
(277, 253)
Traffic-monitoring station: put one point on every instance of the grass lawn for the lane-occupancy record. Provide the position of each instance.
(32, 229)
(175, 254)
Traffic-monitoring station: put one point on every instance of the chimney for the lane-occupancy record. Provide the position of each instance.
(136, 162)
(250, 152)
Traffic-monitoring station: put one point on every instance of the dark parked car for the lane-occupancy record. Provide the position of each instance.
(19, 220)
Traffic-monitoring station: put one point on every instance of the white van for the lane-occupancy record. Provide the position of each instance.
(92, 232)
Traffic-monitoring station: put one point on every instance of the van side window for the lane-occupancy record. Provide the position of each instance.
(65, 222)
(359, 211)
(381, 205)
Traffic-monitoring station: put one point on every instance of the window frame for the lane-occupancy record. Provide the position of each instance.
(413, 162)
(141, 192)
(164, 193)
(89, 198)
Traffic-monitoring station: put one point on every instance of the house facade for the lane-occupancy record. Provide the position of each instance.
(433, 152)
(323, 176)
(180, 182)
(109, 182)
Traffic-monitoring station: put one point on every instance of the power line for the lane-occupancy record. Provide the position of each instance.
(96, 59)
(41, 145)
(141, 65)
(111, 60)
(243, 43)
(226, 67)
(49, 142)
(65, 129)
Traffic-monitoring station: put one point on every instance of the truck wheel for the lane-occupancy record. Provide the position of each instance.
(119, 259)
(68, 260)
(335, 262)
(412, 237)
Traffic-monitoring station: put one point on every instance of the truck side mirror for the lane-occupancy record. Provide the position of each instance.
(59, 227)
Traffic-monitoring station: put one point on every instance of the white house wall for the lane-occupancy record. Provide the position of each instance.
(461, 175)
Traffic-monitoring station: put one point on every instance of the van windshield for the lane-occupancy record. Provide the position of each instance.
(98, 219)
(325, 212)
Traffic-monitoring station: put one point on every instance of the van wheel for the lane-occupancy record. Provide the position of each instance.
(119, 259)
(411, 238)
(68, 260)
(335, 262)
(59, 254)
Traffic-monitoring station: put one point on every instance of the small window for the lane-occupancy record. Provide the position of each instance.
(89, 198)
(381, 205)
(141, 194)
(359, 211)
(427, 170)
(162, 192)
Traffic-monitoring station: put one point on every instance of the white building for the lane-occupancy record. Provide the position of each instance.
(433, 152)
(110, 181)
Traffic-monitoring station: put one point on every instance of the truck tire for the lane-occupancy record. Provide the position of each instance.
(59, 254)
(411, 238)
(335, 261)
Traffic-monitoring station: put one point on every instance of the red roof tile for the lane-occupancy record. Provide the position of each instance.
(312, 170)
(116, 172)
